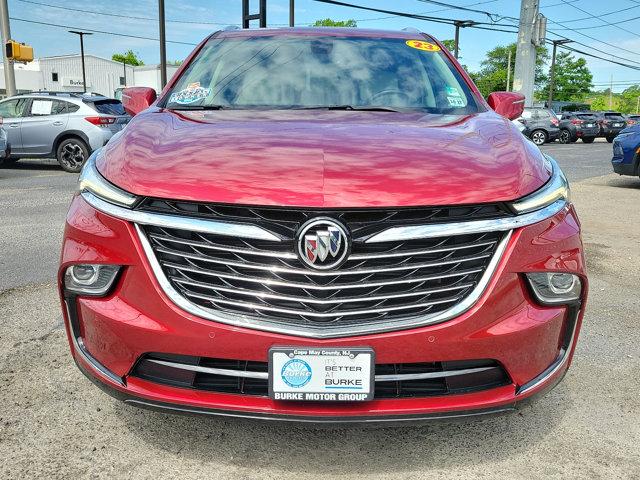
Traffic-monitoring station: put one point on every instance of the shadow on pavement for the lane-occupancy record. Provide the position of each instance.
(305, 450)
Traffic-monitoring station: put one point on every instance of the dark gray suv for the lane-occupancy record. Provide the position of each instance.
(541, 125)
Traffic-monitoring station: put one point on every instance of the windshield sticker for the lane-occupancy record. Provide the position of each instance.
(455, 101)
(191, 94)
(453, 92)
(422, 45)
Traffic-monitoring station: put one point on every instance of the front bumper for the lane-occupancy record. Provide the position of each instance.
(534, 344)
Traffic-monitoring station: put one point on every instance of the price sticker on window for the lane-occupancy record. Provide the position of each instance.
(422, 45)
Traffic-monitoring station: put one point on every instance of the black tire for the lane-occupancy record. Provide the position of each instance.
(10, 161)
(588, 139)
(539, 137)
(71, 154)
(610, 139)
(565, 136)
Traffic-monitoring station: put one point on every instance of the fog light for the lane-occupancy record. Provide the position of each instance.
(553, 288)
(90, 279)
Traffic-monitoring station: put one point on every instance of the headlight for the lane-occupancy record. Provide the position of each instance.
(557, 188)
(92, 181)
(90, 279)
(555, 288)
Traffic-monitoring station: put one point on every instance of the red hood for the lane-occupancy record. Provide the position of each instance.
(323, 158)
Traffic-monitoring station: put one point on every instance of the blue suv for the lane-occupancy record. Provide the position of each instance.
(626, 151)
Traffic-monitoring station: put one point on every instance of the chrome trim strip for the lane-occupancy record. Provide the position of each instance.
(425, 375)
(289, 255)
(344, 313)
(220, 248)
(307, 271)
(78, 345)
(407, 253)
(557, 365)
(322, 331)
(318, 301)
(213, 371)
(308, 286)
(265, 375)
(175, 221)
(433, 230)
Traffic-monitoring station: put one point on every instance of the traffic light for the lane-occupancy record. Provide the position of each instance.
(18, 51)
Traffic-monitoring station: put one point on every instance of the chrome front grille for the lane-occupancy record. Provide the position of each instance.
(264, 283)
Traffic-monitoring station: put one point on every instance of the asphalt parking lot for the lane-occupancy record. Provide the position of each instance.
(55, 424)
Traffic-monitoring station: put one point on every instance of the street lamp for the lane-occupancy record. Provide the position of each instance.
(81, 35)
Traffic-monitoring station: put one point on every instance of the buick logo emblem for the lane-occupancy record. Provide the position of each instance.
(322, 243)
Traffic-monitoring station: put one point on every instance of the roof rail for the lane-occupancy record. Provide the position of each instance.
(62, 94)
(411, 30)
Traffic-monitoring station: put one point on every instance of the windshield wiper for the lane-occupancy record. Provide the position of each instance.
(359, 108)
(198, 107)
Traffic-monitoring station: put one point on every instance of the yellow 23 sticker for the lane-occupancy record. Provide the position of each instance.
(422, 45)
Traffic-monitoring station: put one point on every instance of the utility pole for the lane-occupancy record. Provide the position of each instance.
(9, 74)
(163, 44)
(638, 105)
(524, 74)
(611, 94)
(509, 71)
(552, 73)
(460, 24)
(124, 67)
(84, 76)
(292, 22)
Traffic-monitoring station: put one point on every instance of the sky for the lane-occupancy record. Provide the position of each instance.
(615, 32)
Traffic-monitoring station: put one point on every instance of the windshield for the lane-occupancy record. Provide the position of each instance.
(321, 72)
(109, 107)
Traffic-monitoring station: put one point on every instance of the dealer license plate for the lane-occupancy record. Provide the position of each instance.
(589, 124)
(321, 374)
(617, 124)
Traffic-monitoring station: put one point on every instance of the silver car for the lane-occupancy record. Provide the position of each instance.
(66, 126)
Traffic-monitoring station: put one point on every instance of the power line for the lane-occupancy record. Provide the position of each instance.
(98, 31)
(571, 3)
(494, 17)
(93, 12)
(604, 21)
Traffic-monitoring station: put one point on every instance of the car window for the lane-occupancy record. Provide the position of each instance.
(109, 107)
(13, 108)
(291, 71)
(526, 114)
(72, 107)
(612, 114)
(40, 107)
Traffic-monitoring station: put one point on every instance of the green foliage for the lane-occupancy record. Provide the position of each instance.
(625, 102)
(327, 22)
(129, 57)
(492, 76)
(572, 79)
(451, 45)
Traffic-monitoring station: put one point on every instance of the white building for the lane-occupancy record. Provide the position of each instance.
(64, 74)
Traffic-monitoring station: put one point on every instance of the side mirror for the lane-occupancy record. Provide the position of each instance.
(507, 104)
(137, 99)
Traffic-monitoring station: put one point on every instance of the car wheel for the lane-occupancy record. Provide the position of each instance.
(565, 136)
(588, 139)
(539, 137)
(71, 154)
(610, 139)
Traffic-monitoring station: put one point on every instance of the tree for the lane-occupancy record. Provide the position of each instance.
(492, 76)
(451, 45)
(327, 22)
(572, 81)
(129, 57)
(630, 99)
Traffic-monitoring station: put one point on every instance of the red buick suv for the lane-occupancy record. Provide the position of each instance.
(322, 225)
